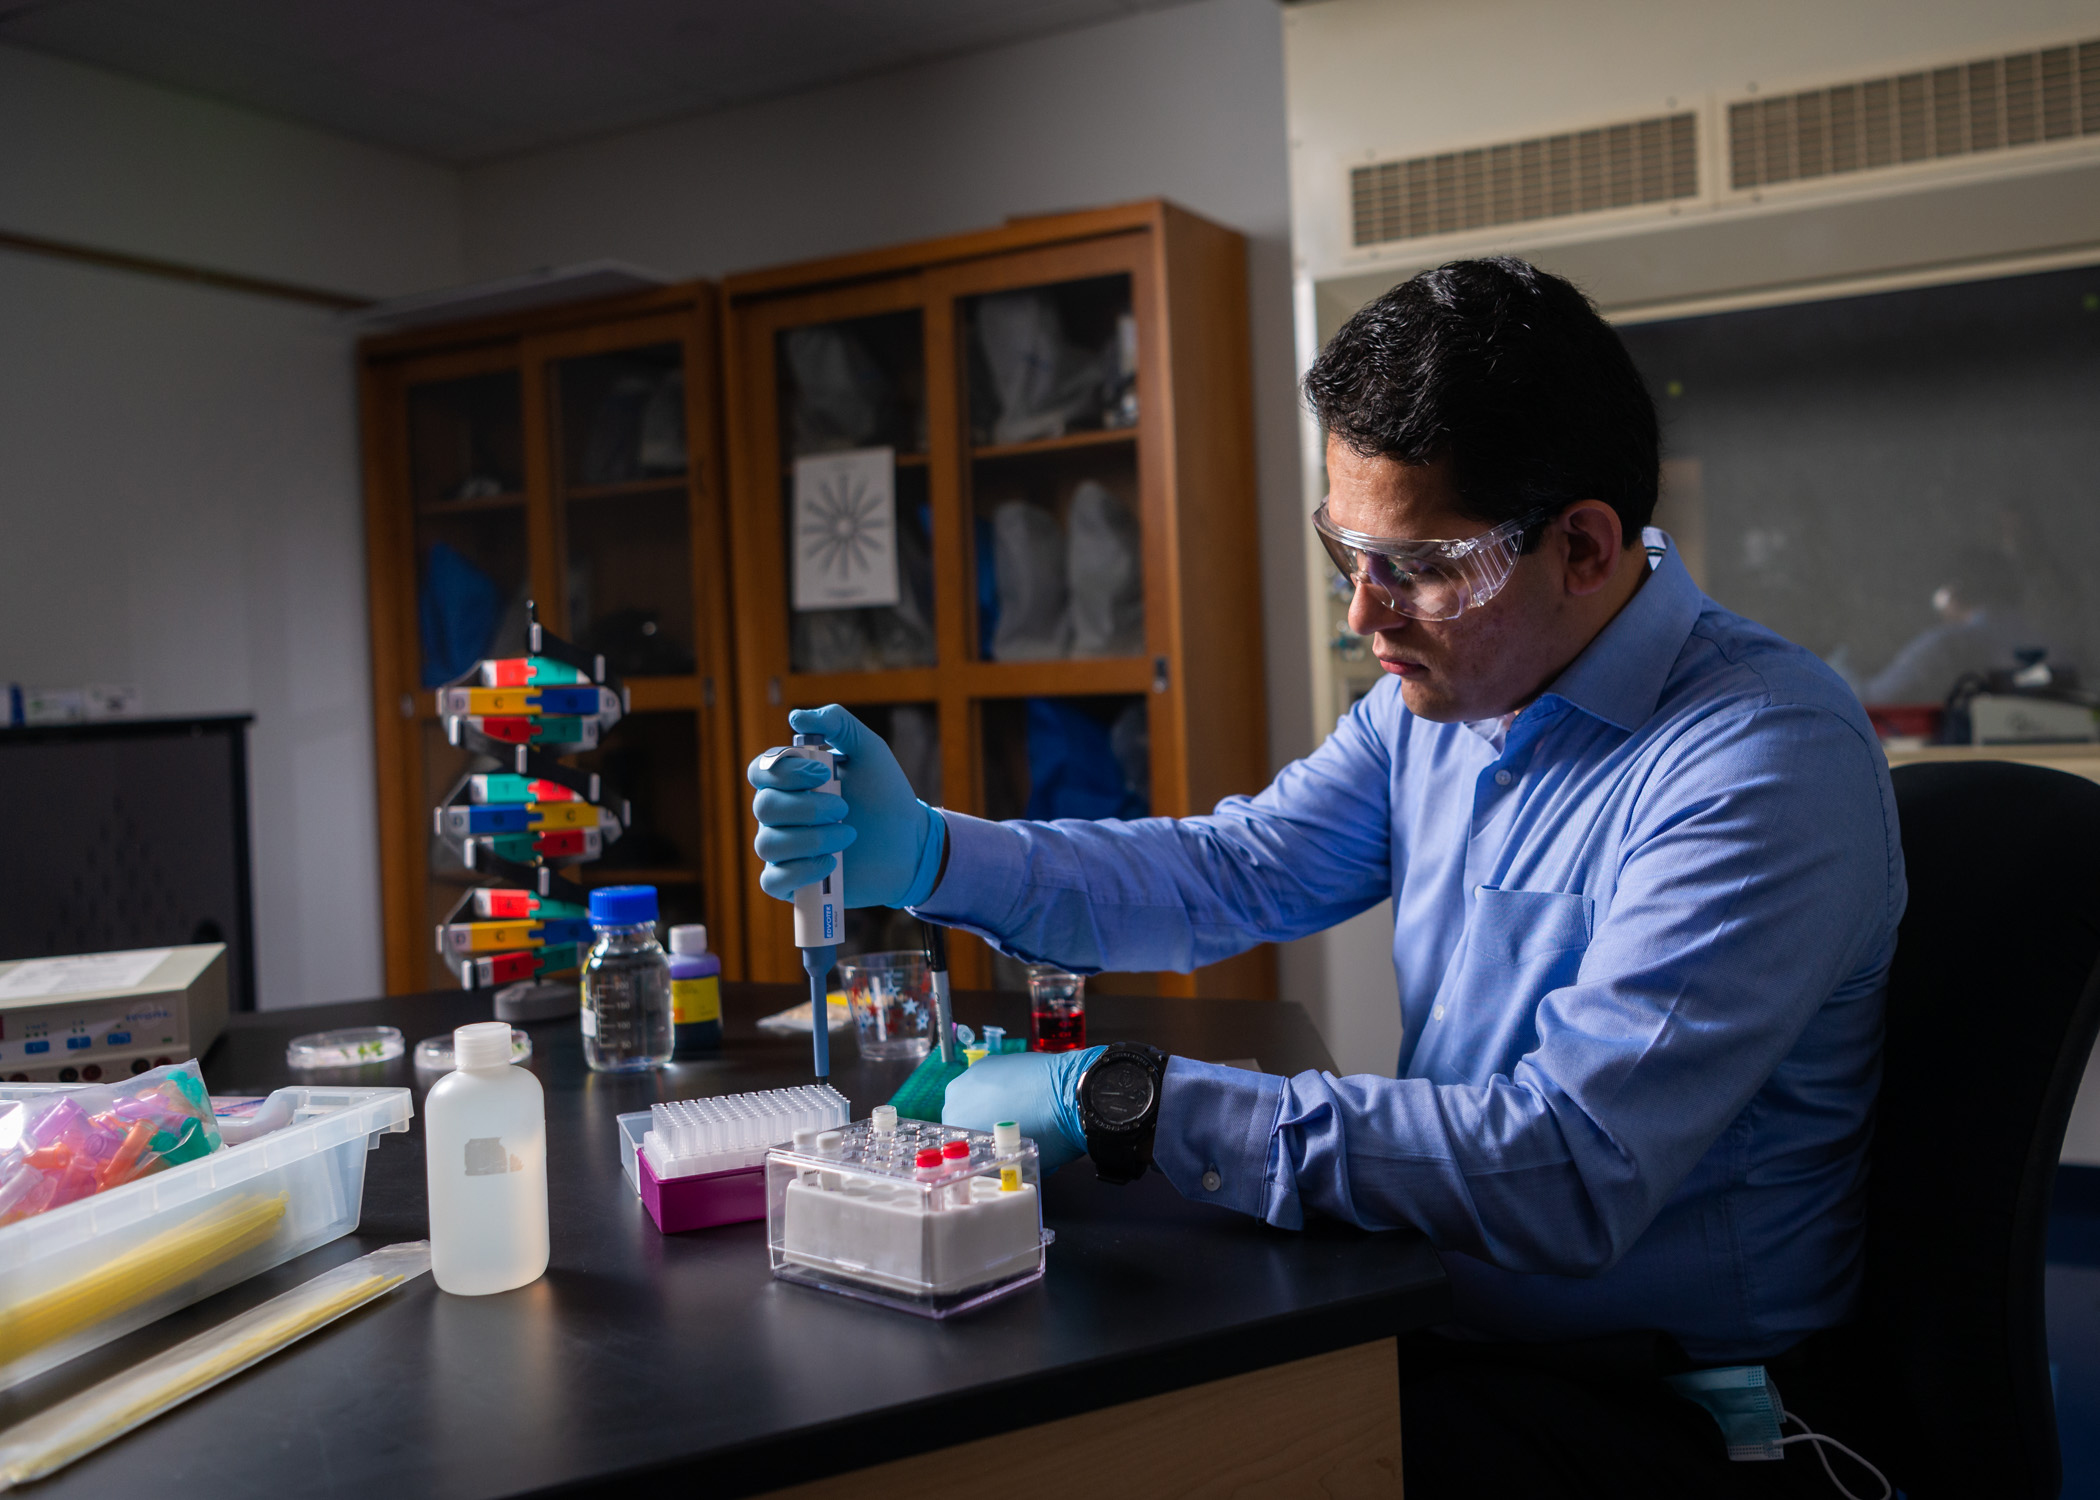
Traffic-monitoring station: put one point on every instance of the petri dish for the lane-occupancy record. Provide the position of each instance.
(434, 1053)
(350, 1048)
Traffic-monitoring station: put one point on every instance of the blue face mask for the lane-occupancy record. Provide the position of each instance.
(1744, 1402)
(1745, 1405)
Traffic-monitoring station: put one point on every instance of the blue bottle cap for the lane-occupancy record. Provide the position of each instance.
(623, 905)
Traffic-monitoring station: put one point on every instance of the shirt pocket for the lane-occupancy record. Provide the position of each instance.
(1520, 945)
(1541, 932)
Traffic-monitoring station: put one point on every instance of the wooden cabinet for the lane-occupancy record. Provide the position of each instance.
(570, 458)
(1026, 454)
(996, 493)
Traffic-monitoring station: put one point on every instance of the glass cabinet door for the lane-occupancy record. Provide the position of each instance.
(856, 514)
(622, 494)
(623, 507)
(467, 487)
(467, 491)
(1052, 412)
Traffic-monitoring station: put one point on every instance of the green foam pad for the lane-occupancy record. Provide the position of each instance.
(927, 1088)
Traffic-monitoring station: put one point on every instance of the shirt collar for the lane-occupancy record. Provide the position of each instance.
(1620, 676)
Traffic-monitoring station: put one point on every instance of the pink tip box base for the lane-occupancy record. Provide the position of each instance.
(704, 1200)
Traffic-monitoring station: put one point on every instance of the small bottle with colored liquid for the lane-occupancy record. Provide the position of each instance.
(696, 994)
(1056, 1009)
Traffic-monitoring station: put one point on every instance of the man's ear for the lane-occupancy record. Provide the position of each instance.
(1593, 542)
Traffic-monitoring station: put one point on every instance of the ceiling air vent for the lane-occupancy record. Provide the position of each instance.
(1999, 103)
(1546, 177)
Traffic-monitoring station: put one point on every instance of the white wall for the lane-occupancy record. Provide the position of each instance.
(180, 504)
(98, 159)
(1184, 103)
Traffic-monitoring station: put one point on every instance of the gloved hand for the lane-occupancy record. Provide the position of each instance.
(1037, 1090)
(896, 839)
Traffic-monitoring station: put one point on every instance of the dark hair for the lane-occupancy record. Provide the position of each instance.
(1509, 372)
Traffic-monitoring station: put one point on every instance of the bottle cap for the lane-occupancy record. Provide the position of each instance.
(1006, 1137)
(956, 1150)
(928, 1156)
(806, 1139)
(816, 740)
(884, 1119)
(689, 940)
(485, 1044)
(829, 1142)
(995, 1039)
(623, 905)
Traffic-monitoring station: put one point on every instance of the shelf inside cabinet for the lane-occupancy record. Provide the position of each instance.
(990, 452)
(506, 501)
(1065, 677)
(621, 489)
(593, 876)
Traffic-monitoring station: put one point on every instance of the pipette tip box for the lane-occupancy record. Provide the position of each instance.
(929, 1219)
(702, 1201)
(696, 1163)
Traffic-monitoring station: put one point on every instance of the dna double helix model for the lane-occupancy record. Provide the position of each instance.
(526, 817)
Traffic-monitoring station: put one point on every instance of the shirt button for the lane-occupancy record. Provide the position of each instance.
(1502, 778)
(1211, 1180)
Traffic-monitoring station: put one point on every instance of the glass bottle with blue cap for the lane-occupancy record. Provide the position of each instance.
(626, 1015)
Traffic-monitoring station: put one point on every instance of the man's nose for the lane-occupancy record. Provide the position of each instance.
(1369, 613)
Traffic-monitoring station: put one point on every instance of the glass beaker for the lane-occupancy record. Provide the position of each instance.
(1056, 1009)
(892, 999)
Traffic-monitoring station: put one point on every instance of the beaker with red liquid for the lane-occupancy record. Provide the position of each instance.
(1056, 1009)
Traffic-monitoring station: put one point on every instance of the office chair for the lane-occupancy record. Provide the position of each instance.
(1993, 1001)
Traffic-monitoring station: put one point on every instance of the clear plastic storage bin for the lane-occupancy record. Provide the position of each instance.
(76, 1277)
(930, 1219)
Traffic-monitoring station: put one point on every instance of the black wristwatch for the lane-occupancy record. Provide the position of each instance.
(1119, 1109)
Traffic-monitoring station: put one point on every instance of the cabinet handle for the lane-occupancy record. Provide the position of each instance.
(408, 706)
(773, 691)
(707, 692)
(1159, 674)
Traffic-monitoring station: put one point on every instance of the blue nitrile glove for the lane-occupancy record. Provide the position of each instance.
(1039, 1091)
(896, 839)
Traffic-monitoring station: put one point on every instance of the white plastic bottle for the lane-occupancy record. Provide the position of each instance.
(485, 1156)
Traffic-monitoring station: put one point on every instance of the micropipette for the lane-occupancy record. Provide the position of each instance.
(943, 1005)
(820, 906)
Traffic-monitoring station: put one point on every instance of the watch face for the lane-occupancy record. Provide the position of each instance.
(1120, 1091)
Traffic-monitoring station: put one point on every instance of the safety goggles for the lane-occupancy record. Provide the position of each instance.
(1427, 580)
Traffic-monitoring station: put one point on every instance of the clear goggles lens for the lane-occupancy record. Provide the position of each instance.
(1427, 580)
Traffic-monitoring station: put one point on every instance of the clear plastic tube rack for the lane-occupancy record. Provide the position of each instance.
(930, 1219)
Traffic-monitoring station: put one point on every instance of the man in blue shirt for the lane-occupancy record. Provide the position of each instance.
(1645, 876)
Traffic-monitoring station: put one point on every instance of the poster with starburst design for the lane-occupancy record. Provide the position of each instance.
(845, 520)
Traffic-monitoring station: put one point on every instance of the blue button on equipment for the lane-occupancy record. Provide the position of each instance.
(36, 1046)
(119, 1038)
(75, 1043)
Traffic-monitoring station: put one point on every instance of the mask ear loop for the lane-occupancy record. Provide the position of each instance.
(1808, 1434)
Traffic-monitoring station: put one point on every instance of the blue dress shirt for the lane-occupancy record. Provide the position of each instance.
(1642, 933)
